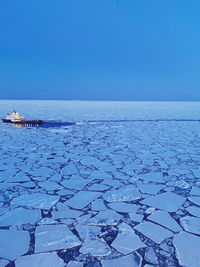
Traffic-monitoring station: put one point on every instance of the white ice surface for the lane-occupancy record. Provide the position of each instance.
(36, 200)
(195, 200)
(74, 264)
(75, 183)
(125, 193)
(82, 199)
(164, 218)
(13, 243)
(20, 216)
(193, 210)
(152, 177)
(126, 241)
(153, 231)
(54, 237)
(123, 207)
(151, 189)
(191, 224)
(187, 249)
(37, 260)
(95, 247)
(131, 260)
(106, 217)
(166, 201)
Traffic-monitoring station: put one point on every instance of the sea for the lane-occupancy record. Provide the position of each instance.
(100, 184)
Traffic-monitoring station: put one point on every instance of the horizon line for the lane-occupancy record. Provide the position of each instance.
(95, 100)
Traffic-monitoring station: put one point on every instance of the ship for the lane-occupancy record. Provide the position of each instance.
(15, 118)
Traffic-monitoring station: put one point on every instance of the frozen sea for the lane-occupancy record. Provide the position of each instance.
(119, 187)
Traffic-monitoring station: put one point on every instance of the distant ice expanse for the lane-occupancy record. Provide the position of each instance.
(101, 110)
(118, 188)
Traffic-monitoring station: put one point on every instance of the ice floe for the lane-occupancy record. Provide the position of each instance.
(50, 185)
(69, 169)
(95, 247)
(44, 260)
(13, 243)
(150, 256)
(126, 241)
(125, 193)
(68, 213)
(87, 232)
(195, 191)
(187, 249)
(98, 205)
(167, 201)
(195, 211)
(136, 217)
(75, 183)
(54, 237)
(151, 189)
(124, 207)
(131, 260)
(36, 200)
(191, 224)
(3, 263)
(20, 216)
(82, 199)
(153, 231)
(195, 200)
(164, 218)
(74, 264)
(106, 217)
(152, 177)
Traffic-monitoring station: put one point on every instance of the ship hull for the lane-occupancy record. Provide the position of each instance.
(23, 121)
(6, 120)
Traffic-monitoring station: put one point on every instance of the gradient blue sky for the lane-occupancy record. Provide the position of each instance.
(100, 49)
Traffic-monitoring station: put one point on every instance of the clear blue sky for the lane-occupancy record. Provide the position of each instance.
(100, 49)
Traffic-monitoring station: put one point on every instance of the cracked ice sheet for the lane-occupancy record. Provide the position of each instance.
(164, 218)
(54, 237)
(36, 200)
(125, 193)
(82, 199)
(187, 249)
(127, 241)
(44, 260)
(166, 201)
(13, 243)
(153, 231)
